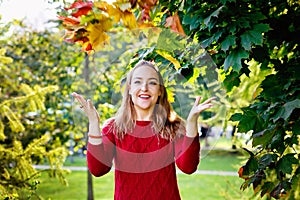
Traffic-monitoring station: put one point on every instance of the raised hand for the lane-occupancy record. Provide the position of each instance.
(192, 124)
(198, 108)
(88, 108)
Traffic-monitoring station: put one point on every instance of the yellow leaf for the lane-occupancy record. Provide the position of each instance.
(2, 136)
(123, 5)
(97, 37)
(114, 12)
(14, 122)
(129, 20)
(167, 56)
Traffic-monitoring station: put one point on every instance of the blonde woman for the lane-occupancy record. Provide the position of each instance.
(146, 140)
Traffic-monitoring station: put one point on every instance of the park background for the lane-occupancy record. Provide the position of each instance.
(254, 47)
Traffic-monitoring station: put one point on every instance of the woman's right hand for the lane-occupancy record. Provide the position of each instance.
(88, 108)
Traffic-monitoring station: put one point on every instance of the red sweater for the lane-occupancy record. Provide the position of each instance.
(144, 162)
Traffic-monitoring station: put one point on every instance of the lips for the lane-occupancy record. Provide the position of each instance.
(144, 96)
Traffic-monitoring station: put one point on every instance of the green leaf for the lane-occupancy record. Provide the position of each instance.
(205, 43)
(262, 27)
(277, 141)
(170, 41)
(249, 38)
(251, 166)
(214, 14)
(229, 41)
(236, 117)
(286, 162)
(267, 188)
(254, 36)
(266, 160)
(262, 138)
(296, 127)
(234, 60)
(278, 114)
(271, 87)
(250, 121)
(231, 80)
(289, 107)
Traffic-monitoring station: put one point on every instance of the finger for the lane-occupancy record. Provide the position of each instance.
(198, 98)
(203, 107)
(209, 100)
(79, 98)
(90, 104)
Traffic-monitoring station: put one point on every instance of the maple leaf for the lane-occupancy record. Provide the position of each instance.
(68, 20)
(80, 4)
(82, 8)
(97, 37)
(114, 12)
(129, 20)
(147, 3)
(175, 25)
(81, 11)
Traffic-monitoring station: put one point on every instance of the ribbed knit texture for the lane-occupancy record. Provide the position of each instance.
(144, 162)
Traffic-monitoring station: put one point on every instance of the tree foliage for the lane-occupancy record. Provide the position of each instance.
(265, 33)
(36, 75)
(19, 178)
(241, 36)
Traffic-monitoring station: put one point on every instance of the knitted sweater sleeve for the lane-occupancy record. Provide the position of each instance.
(99, 157)
(187, 153)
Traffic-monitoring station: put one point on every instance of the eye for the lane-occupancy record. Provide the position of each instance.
(153, 83)
(136, 82)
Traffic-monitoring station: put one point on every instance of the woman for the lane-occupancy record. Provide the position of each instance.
(145, 139)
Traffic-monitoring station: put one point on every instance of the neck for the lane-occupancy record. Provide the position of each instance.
(144, 115)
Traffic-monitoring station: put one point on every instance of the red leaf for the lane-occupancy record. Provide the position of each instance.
(87, 48)
(81, 4)
(69, 20)
(240, 172)
(81, 11)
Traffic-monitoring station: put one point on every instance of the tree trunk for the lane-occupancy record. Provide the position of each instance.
(86, 72)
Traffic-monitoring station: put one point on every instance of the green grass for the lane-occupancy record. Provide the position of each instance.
(192, 187)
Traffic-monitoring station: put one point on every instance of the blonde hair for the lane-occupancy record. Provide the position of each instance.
(165, 121)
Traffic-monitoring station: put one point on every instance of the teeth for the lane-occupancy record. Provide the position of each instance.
(144, 96)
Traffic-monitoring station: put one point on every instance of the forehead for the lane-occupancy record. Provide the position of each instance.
(144, 72)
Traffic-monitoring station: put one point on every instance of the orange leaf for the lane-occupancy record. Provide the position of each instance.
(69, 20)
(175, 25)
(240, 172)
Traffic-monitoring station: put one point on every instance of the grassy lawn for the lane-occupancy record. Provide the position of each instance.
(192, 187)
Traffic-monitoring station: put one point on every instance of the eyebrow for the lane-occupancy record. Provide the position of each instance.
(148, 79)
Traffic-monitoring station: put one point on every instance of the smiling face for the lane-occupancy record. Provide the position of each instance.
(144, 90)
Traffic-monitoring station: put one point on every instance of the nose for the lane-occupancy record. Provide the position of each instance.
(144, 87)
